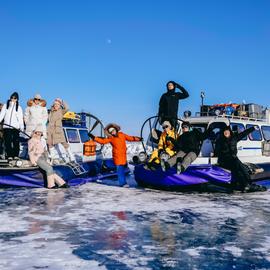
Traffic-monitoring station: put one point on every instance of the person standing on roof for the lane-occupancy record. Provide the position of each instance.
(169, 102)
(12, 114)
(55, 132)
(36, 114)
(117, 139)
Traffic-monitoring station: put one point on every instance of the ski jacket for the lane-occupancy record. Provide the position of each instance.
(166, 144)
(36, 148)
(12, 116)
(169, 102)
(35, 115)
(119, 148)
(226, 148)
(190, 141)
(55, 130)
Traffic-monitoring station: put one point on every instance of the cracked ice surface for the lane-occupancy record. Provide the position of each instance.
(95, 226)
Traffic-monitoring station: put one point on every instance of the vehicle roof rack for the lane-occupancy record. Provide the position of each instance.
(241, 118)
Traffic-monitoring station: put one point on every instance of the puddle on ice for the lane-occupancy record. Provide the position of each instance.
(104, 227)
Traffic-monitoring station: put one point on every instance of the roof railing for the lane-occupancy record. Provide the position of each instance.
(246, 118)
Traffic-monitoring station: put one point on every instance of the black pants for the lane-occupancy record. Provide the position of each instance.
(239, 171)
(12, 143)
(1, 145)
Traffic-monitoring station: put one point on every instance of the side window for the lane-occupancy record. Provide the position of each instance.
(200, 127)
(84, 135)
(217, 128)
(237, 127)
(72, 135)
(256, 134)
(266, 132)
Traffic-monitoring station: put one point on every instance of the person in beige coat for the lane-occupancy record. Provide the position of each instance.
(55, 132)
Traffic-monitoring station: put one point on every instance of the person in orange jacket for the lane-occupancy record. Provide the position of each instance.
(117, 139)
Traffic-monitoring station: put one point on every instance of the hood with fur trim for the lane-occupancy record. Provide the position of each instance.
(111, 125)
(42, 102)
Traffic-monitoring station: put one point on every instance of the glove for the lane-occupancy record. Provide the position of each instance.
(256, 127)
(170, 139)
(160, 152)
(177, 85)
(91, 136)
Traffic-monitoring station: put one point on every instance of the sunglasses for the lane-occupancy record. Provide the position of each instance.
(111, 131)
(185, 126)
(14, 98)
(164, 127)
(38, 133)
(37, 99)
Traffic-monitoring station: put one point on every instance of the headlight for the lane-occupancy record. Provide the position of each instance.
(164, 156)
(142, 157)
(19, 163)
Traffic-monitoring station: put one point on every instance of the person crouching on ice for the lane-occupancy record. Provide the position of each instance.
(165, 146)
(117, 139)
(38, 156)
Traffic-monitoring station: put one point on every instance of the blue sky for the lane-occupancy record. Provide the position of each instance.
(113, 58)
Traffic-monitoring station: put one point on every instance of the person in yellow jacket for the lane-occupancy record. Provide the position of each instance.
(164, 146)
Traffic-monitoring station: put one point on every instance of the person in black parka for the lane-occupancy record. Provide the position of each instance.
(169, 101)
(187, 146)
(226, 151)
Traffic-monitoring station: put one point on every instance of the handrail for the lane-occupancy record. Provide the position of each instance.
(150, 126)
(199, 114)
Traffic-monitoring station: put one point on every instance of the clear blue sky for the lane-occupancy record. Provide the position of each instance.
(113, 58)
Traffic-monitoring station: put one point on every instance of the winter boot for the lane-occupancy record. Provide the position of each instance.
(164, 165)
(50, 181)
(59, 181)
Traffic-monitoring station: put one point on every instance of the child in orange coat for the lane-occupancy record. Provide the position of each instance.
(117, 139)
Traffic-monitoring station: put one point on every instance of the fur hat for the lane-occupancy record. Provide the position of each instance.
(38, 129)
(109, 126)
(42, 102)
(58, 100)
(37, 96)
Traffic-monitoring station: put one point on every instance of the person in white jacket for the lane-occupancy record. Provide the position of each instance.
(12, 114)
(36, 115)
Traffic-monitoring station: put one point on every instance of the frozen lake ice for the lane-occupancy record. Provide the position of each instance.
(95, 226)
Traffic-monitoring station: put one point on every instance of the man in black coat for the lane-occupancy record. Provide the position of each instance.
(169, 101)
(187, 146)
(226, 151)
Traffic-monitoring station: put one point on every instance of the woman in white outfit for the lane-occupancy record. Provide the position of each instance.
(36, 114)
(12, 114)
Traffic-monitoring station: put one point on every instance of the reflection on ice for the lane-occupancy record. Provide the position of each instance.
(105, 227)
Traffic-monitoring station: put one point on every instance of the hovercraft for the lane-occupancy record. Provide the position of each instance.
(254, 151)
(196, 177)
(20, 173)
(73, 173)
